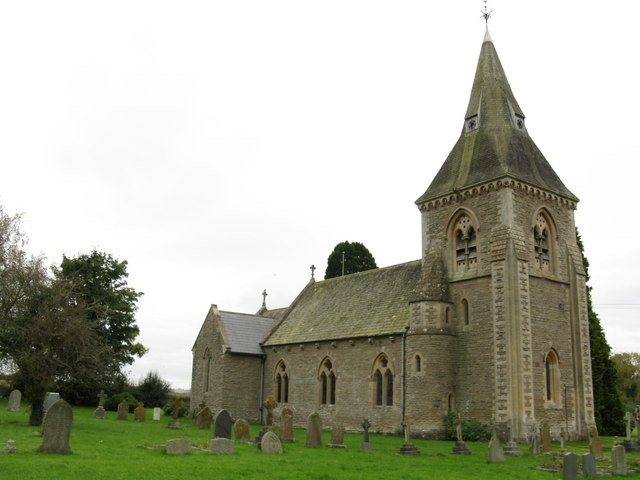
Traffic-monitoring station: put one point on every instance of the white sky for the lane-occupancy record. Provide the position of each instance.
(222, 147)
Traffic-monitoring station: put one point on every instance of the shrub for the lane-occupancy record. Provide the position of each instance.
(472, 430)
(153, 390)
(113, 401)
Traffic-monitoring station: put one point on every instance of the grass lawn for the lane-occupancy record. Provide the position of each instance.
(111, 449)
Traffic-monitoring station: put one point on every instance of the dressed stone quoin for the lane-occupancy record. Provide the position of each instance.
(490, 322)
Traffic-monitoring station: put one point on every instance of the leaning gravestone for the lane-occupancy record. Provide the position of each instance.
(570, 467)
(222, 428)
(589, 465)
(496, 453)
(286, 425)
(49, 399)
(56, 430)
(221, 446)
(241, 430)
(618, 460)
(156, 413)
(15, 397)
(204, 419)
(178, 446)
(270, 443)
(314, 430)
(140, 413)
(123, 410)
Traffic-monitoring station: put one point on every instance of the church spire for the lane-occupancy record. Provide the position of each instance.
(494, 142)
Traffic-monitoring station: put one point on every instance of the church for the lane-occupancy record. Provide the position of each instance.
(491, 322)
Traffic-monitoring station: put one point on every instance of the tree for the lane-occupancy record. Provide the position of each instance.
(608, 409)
(357, 258)
(628, 373)
(153, 390)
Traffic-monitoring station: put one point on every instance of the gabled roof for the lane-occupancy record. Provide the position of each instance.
(494, 142)
(370, 303)
(243, 332)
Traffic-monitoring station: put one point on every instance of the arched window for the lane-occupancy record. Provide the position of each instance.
(465, 242)
(327, 383)
(541, 242)
(383, 381)
(447, 315)
(282, 382)
(552, 377)
(464, 305)
(206, 380)
(450, 403)
(417, 364)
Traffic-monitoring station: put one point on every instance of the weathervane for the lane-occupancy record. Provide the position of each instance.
(486, 14)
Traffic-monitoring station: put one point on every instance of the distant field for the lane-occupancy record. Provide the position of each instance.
(111, 449)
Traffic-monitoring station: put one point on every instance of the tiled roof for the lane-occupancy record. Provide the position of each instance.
(375, 302)
(244, 331)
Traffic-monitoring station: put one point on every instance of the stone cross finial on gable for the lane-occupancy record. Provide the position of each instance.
(313, 271)
(264, 298)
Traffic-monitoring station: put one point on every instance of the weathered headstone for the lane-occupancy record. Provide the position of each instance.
(545, 434)
(365, 440)
(636, 413)
(314, 430)
(286, 425)
(570, 467)
(595, 444)
(241, 430)
(221, 446)
(496, 453)
(100, 412)
(174, 423)
(589, 465)
(140, 413)
(49, 399)
(56, 429)
(204, 419)
(123, 410)
(270, 443)
(628, 417)
(269, 404)
(15, 397)
(534, 441)
(337, 437)
(156, 413)
(630, 445)
(408, 448)
(178, 446)
(618, 460)
(222, 428)
(460, 448)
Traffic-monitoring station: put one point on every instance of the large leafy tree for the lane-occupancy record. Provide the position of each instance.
(609, 411)
(628, 373)
(356, 258)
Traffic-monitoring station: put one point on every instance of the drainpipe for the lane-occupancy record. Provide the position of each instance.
(403, 386)
(260, 408)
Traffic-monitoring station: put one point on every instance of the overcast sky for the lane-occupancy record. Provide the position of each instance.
(223, 147)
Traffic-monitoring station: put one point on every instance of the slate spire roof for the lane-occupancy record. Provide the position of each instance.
(494, 142)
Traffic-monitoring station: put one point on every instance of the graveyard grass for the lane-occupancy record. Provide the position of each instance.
(112, 449)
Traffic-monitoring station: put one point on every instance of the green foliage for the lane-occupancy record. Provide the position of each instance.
(357, 258)
(609, 411)
(113, 401)
(628, 375)
(153, 390)
(184, 409)
(472, 430)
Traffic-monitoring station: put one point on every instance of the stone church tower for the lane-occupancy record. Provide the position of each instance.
(502, 300)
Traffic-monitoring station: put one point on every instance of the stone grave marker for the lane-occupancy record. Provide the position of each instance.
(270, 443)
(630, 445)
(618, 460)
(496, 453)
(589, 465)
(156, 413)
(241, 430)
(140, 413)
(286, 425)
(314, 430)
(460, 448)
(222, 428)
(511, 448)
(100, 412)
(337, 437)
(56, 429)
(204, 419)
(595, 444)
(636, 414)
(534, 442)
(15, 397)
(178, 446)
(628, 417)
(123, 410)
(570, 467)
(365, 440)
(221, 446)
(174, 423)
(408, 448)
(49, 399)
(545, 435)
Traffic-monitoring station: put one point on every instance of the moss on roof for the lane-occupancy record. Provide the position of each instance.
(371, 303)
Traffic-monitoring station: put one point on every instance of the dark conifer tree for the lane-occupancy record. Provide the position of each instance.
(357, 258)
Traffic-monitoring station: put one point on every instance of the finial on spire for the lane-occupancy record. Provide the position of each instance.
(486, 14)
(264, 298)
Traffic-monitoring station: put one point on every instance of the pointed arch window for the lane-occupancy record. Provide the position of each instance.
(282, 382)
(327, 383)
(383, 379)
(552, 377)
(465, 311)
(541, 242)
(465, 243)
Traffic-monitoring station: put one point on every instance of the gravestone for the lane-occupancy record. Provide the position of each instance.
(286, 425)
(100, 412)
(570, 467)
(337, 437)
(408, 448)
(204, 419)
(56, 430)
(140, 413)
(496, 453)
(174, 423)
(221, 446)
(618, 460)
(241, 430)
(222, 428)
(49, 399)
(15, 397)
(269, 404)
(460, 448)
(534, 442)
(123, 410)
(314, 430)
(595, 444)
(270, 443)
(630, 445)
(156, 413)
(636, 414)
(365, 440)
(178, 446)
(545, 435)
(589, 465)
(562, 451)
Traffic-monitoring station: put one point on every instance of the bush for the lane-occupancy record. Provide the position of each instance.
(153, 390)
(472, 430)
(113, 401)
(168, 409)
